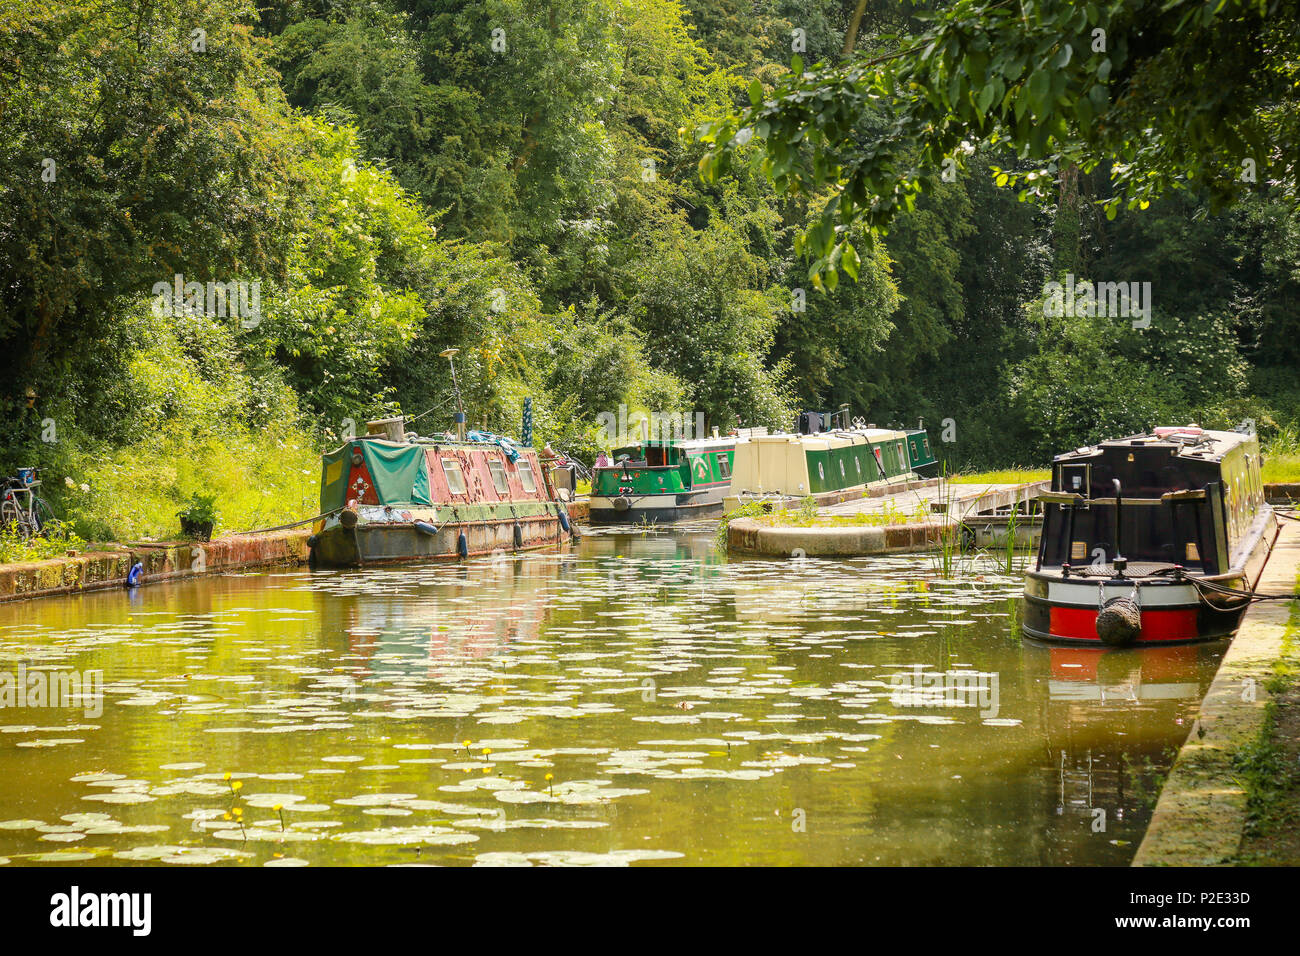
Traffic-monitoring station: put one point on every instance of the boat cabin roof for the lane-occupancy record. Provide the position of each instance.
(1189, 442)
(440, 441)
(685, 444)
(837, 438)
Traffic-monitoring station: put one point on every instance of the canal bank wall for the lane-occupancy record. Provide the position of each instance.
(1282, 494)
(161, 561)
(748, 536)
(1201, 815)
(971, 505)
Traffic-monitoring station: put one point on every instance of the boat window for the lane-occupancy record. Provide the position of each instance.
(498, 476)
(526, 475)
(455, 477)
(724, 466)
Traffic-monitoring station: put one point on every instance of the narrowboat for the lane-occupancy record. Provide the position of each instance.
(392, 496)
(826, 466)
(662, 480)
(918, 451)
(1150, 539)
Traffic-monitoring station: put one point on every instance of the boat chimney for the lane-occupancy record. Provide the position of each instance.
(390, 429)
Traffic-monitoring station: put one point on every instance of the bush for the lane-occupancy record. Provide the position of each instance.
(56, 539)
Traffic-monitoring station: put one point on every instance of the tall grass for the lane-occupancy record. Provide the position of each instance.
(947, 559)
(1282, 456)
(57, 538)
(750, 509)
(1007, 553)
(260, 478)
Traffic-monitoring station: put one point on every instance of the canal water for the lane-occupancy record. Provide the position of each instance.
(636, 698)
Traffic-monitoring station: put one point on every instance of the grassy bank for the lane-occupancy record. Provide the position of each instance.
(1008, 476)
(257, 478)
(1281, 466)
(1281, 469)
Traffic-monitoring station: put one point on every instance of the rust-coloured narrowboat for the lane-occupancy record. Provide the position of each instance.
(429, 499)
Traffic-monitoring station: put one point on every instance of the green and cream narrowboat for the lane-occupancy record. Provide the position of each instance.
(826, 466)
(660, 481)
(918, 450)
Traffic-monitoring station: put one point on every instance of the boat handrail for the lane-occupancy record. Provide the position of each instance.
(1187, 494)
(1060, 498)
(1075, 500)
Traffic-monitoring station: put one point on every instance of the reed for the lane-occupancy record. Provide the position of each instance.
(948, 556)
(1007, 553)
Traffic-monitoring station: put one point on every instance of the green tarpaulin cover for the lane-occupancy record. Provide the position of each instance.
(334, 469)
(398, 472)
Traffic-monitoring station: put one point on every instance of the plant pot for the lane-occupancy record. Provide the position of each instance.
(197, 530)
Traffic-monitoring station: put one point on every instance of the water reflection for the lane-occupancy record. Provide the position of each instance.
(637, 699)
(1113, 720)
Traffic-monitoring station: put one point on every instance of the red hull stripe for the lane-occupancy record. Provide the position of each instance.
(1080, 624)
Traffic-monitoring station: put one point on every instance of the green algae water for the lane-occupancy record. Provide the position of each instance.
(636, 699)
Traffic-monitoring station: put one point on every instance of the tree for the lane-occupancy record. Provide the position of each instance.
(1156, 93)
(701, 300)
(138, 141)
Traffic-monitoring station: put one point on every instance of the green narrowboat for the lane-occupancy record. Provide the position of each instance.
(659, 481)
(918, 450)
(825, 466)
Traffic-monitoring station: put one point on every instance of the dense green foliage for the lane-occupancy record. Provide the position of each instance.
(519, 180)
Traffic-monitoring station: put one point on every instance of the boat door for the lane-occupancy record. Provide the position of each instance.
(1077, 479)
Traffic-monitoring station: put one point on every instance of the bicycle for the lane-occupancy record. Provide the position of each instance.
(19, 504)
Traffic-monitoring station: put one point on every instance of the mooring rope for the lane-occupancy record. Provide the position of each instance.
(284, 527)
(1202, 586)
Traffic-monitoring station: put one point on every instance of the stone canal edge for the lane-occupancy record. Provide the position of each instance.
(164, 561)
(161, 561)
(1201, 815)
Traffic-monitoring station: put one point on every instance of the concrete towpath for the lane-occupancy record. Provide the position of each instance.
(910, 520)
(1202, 811)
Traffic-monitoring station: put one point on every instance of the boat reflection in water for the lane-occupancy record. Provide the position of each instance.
(1110, 716)
(451, 614)
(442, 615)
